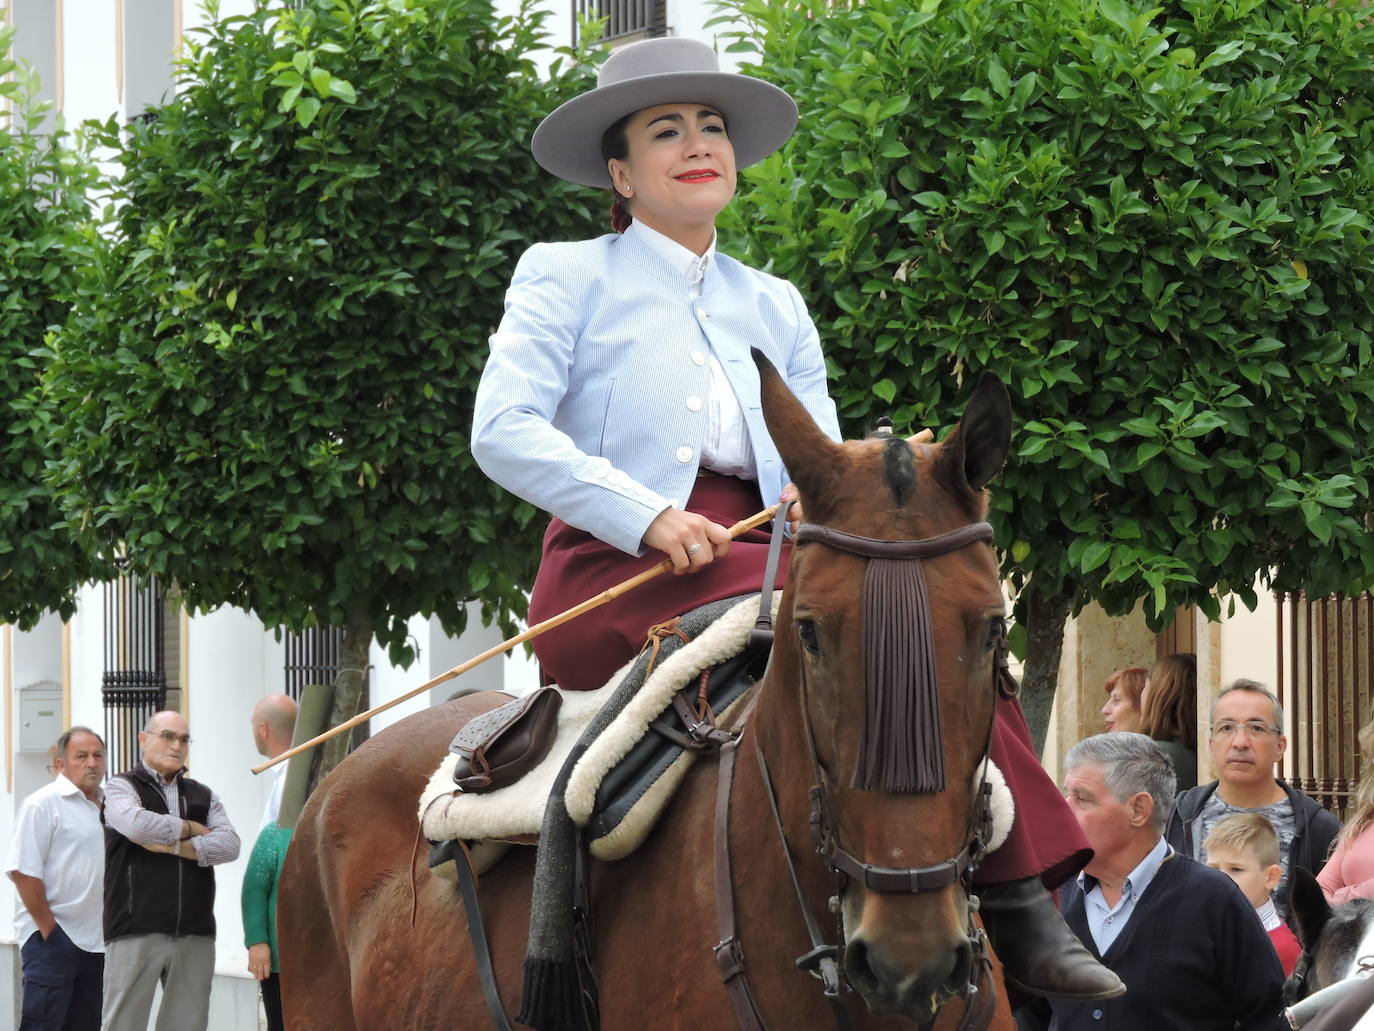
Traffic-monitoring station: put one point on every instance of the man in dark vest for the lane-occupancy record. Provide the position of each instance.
(164, 835)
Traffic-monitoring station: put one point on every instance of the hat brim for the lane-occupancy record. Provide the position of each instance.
(759, 116)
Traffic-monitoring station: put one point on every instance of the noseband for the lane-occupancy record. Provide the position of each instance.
(899, 686)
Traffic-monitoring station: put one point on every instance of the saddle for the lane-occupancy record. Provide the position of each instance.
(493, 786)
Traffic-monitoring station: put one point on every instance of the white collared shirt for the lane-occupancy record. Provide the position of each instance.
(58, 839)
(1269, 915)
(273, 808)
(725, 444)
(1106, 922)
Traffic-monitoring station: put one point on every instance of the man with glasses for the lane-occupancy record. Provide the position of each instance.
(164, 835)
(1246, 742)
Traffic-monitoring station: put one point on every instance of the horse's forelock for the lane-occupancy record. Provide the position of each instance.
(899, 470)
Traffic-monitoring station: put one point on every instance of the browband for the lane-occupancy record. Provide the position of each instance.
(869, 547)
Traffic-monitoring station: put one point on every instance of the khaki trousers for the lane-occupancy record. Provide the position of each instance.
(135, 965)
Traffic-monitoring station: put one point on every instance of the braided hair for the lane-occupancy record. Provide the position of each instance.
(615, 144)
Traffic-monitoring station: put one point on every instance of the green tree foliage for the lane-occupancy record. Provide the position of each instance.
(1153, 221)
(43, 183)
(265, 391)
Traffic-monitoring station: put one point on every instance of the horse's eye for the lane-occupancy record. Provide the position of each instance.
(806, 633)
(997, 631)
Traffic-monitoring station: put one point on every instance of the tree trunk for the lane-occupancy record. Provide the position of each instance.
(1044, 645)
(348, 689)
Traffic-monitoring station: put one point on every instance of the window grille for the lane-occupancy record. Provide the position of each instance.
(626, 20)
(1325, 681)
(134, 684)
(312, 657)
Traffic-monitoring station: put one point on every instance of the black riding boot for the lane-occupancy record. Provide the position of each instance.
(1039, 953)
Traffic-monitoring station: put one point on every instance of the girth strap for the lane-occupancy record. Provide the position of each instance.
(481, 952)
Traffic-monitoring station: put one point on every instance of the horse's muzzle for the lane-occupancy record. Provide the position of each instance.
(892, 988)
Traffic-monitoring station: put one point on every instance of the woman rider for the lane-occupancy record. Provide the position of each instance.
(620, 397)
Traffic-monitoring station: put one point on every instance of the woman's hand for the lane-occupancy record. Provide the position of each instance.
(260, 960)
(690, 540)
(795, 515)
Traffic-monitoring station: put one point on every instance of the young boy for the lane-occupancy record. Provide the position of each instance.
(1245, 847)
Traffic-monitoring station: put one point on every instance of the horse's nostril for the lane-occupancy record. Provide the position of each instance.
(963, 968)
(856, 966)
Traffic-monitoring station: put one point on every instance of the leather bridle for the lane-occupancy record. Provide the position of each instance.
(822, 959)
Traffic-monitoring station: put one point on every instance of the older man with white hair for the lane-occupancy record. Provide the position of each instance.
(1182, 936)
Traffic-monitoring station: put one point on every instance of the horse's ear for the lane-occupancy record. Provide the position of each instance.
(1310, 909)
(811, 458)
(975, 452)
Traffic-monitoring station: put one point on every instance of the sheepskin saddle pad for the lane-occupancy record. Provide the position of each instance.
(642, 768)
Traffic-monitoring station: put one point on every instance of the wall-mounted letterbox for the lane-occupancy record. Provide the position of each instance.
(40, 715)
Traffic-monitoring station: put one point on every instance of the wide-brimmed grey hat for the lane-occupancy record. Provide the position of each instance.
(671, 70)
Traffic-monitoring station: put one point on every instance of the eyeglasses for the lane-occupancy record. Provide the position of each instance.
(171, 735)
(1252, 728)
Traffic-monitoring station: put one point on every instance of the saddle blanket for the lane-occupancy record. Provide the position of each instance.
(516, 813)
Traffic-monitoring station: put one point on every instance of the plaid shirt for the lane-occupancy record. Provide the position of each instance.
(124, 813)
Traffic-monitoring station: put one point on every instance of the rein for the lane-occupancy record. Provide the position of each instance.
(822, 959)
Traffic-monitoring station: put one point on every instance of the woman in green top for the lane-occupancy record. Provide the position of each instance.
(1168, 713)
(259, 902)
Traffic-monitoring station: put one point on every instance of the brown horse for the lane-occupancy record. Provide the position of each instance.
(370, 939)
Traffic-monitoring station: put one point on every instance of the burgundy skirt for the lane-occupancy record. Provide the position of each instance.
(1045, 838)
(583, 654)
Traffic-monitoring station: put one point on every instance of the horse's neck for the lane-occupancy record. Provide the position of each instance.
(776, 733)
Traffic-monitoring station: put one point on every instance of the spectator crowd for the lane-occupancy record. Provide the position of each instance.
(116, 882)
(1187, 897)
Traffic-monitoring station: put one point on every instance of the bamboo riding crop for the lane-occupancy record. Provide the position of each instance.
(744, 525)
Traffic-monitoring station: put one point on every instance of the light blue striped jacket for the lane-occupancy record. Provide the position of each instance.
(591, 405)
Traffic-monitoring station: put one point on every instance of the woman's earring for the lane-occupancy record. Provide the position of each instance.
(628, 191)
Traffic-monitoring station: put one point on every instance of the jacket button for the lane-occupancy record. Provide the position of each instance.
(684, 454)
(694, 403)
(698, 358)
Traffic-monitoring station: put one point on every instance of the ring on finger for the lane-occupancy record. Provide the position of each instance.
(694, 549)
